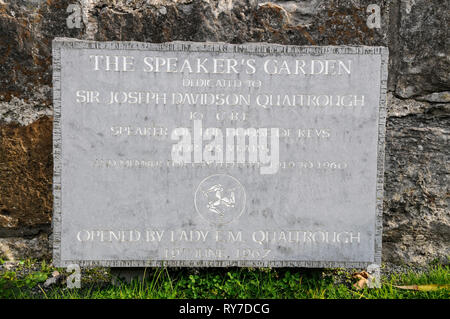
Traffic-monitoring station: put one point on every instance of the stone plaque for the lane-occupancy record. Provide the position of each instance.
(213, 154)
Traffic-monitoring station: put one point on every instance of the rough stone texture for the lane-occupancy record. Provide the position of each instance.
(416, 215)
(22, 112)
(26, 171)
(416, 219)
(16, 248)
(423, 47)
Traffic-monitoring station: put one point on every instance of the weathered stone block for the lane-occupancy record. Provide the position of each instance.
(26, 168)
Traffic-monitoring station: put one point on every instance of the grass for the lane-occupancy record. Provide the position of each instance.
(26, 281)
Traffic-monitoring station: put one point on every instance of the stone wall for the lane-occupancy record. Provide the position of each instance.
(416, 208)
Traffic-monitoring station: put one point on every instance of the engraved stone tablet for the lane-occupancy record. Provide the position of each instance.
(213, 154)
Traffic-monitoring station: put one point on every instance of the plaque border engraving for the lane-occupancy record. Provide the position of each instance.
(246, 48)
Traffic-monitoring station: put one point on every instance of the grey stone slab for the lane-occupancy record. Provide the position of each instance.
(120, 200)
